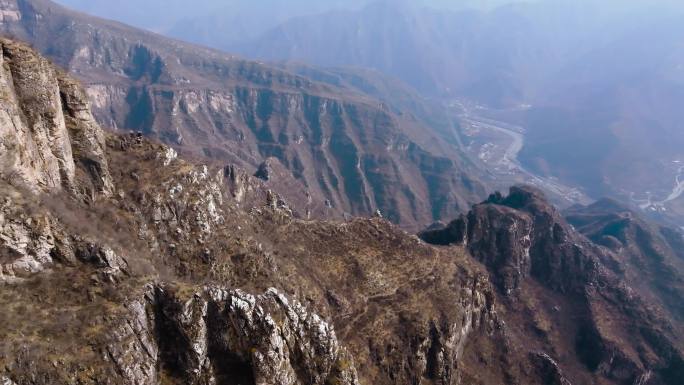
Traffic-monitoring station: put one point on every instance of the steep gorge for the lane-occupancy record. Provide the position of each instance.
(186, 272)
(349, 152)
(148, 280)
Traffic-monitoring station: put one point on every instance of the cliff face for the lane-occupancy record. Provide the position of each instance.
(226, 337)
(50, 143)
(349, 151)
(522, 235)
(647, 255)
(45, 125)
(156, 279)
(571, 295)
(148, 268)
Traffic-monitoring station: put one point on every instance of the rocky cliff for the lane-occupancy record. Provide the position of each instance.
(168, 271)
(570, 295)
(647, 255)
(145, 267)
(348, 150)
(46, 127)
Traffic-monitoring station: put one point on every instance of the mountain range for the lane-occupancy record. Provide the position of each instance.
(173, 214)
(122, 262)
(603, 76)
(341, 149)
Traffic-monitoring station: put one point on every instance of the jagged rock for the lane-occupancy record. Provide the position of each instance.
(239, 182)
(220, 333)
(27, 242)
(550, 373)
(46, 127)
(167, 155)
(533, 255)
(133, 347)
(110, 264)
(265, 170)
(642, 253)
(521, 235)
(87, 139)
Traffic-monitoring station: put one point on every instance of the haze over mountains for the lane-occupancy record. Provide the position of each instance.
(599, 82)
(142, 263)
(334, 144)
(222, 22)
(602, 80)
(173, 214)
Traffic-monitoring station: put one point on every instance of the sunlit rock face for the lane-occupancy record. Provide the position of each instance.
(45, 119)
(140, 266)
(348, 152)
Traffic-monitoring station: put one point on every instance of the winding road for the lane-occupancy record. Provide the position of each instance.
(510, 156)
(679, 186)
(508, 168)
(677, 191)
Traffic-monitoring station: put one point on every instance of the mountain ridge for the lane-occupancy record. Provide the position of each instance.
(243, 112)
(185, 271)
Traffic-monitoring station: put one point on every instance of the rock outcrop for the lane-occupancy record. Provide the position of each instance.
(647, 255)
(577, 300)
(219, 336)
(522, 235)
(267, 339)
(46, 127)
(338, 144)
(146, 268)
(49, 143)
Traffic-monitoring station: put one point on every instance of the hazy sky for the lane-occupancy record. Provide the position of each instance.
(162, 15)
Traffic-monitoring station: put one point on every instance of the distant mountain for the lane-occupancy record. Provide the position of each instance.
(125, 263)
(212, 22)
(604, 79)
(493, 57)
(345, 150)
(223, 23)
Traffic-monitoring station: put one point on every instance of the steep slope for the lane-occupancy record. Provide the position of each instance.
(46, 128)
(344, 148)
(649, 256)
(149, 283)
(191, 273)
(577, 301)
(596, 85)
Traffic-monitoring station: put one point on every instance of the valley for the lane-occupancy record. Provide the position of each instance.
(653, 203)
(496, 138)
(664, 203)
(339, 150)
(497, 144)
(172, 214)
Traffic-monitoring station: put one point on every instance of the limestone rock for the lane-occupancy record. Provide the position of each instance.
(265, 339)
(46, 128)
(522, 235)
(550, 373)
(34, 141)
